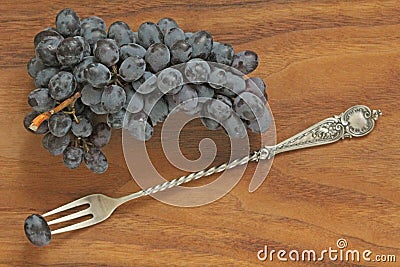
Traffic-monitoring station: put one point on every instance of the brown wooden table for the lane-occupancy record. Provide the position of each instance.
(318, 57)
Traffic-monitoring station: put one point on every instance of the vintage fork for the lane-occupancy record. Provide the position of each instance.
(355, 122)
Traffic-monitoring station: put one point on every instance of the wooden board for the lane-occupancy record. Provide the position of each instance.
(318, 58)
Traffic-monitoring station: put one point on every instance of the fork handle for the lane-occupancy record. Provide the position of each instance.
(356, 121)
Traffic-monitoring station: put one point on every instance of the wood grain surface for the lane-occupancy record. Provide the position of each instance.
(318, 58)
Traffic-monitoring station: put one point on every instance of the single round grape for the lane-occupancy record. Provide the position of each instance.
(92, 35)
(181, 52)
(43, 77)
(91, 96)
(159, 111)
(136, 103)
(201, 43)
(129, 50)
(157, 57)
(101, 135)
(98, 109)
(172, 35)
(55, 145)
(121, 33)
(79, 69)
(68, 23)
(49, 32)
(248, 106)
(260, 124)
(60, 124)
(113, 98)
(186, 98)
(37, 230)
(197, 71)
(217, 78)
(73, 157)
(222, 53)
(97, 75)
(42, 129)
(210, 123)
(95, 160)
(146, 84)
(138, 126)
(115, 120)
(256, 85)
(46, 51)
(107, 52)
(170, 80)
(245, 61)
(92, 22)
(79, 107)
(70, 51)
(219, 108)
(87, 50)
(62, 85)
(165, 24)
(149, 34)
(34, 66)
(234, 85)
(204, 91)
(82, 129)
(234, 127)
(132, 68)
(40, 100)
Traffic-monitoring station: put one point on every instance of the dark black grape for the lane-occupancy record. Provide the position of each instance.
(95, 160)
(173, 35)
(98, 109)
(222, 53)
(70, 51)
(234, 127)
(146, 84)
(186, 98)
(138, 126)
(97, 75)
(181, 52)
(72, 157)
(245, 61)
(107, 52)
(60, 124)
(197, 71)
(129, 50)
(248, 106)
(132, 68)
(121, 33)
(217, 78)
(92, 35)
(165, 24)
(201, 43)
(101, 135)
(46, 51)
(42, 129)
(40, 100)
(115, 120)
(34, 66)
(257, 86)
(43, 77)
(79, 69)
(55, 145)
(157, 57)
(68, 23)
(261, 124)
(49, 32)
(204, 91)
(82, 129)
(62, 85)
(170, 80)
(136, 103)
(37, 230)
(210, 123)
(87, 50)
(159, 111)
(92, 22)
(91, 96)
(219, 108)
(149, 34)
(113, 98)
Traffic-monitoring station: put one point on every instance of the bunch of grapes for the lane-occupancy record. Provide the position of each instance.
(90, 80)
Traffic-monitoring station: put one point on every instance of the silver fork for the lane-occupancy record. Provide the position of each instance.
(357, 121)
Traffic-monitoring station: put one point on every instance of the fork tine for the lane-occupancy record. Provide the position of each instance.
(73, 204)
(70, 216)
(76, 226)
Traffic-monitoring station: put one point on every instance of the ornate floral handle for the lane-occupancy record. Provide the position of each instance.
(357, 121)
